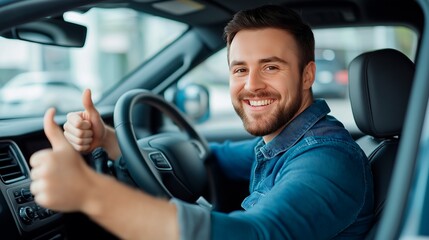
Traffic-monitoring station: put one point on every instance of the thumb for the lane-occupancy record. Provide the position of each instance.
(53, 131)
(90, 110)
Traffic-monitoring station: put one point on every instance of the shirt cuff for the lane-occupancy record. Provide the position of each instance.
(194, 220)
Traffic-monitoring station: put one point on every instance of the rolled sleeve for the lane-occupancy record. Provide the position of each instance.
(194, 220)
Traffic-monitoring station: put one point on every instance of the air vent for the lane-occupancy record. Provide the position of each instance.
(10, 169)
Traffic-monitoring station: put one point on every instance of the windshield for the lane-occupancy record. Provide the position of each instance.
(34, 77)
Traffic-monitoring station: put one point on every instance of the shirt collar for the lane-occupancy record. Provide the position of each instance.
(295, 129)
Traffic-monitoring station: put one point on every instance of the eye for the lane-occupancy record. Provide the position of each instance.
(239, 70)
(271, 68)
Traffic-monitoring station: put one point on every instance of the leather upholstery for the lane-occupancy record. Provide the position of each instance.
(379, 92)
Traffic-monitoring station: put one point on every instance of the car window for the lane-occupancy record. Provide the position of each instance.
(335, 48)
(34, 77)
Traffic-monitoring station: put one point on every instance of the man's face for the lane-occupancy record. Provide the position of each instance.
(266, 86)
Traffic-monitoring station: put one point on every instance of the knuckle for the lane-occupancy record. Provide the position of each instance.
(80, 134)
(80, 148)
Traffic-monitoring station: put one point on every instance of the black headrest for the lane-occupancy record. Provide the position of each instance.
(379, 87)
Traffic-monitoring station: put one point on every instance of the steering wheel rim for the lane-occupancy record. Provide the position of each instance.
(183, 175)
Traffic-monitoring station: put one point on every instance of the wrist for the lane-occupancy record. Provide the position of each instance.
(92, 199)
(110, 143)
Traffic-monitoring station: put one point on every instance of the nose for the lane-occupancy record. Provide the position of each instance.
(254, 82)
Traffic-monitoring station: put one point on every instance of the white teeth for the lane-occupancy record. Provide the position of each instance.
(260, 103)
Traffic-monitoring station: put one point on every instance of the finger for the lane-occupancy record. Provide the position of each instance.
(90, 110)
(38, 173)
(37, 158)
(34, 161)
(75, 120)
(53, 131)
(40, 196)
(35, 173)
(77, 132)
(34, 187)
(82, 148)
(72, 138)
(79, 144)
(38, 186)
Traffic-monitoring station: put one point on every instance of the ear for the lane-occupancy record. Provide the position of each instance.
(308, 75)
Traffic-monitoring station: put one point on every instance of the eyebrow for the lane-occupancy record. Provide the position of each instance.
(263, 60)
(272, 59)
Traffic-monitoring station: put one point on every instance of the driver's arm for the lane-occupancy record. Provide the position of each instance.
(235, 159)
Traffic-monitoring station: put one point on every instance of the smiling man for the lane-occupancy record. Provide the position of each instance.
(266, 84)
(308, 178)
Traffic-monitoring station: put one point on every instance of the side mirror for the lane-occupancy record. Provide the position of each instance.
(194, 101)
(50, 31)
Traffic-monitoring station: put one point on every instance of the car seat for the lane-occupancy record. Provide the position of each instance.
(379, 88)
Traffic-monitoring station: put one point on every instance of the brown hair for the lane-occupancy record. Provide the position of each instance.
(270, 16)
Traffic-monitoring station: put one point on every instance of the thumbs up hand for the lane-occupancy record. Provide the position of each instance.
(60, 175)
(85, 130)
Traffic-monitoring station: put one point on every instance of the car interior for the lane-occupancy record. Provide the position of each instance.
(159, 74)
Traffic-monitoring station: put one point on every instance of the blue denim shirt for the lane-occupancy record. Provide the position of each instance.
(312, 181)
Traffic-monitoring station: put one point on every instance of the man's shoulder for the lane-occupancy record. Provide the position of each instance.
(329, 133)
(329, 126)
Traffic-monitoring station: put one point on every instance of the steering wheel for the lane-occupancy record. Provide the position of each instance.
(164, 164)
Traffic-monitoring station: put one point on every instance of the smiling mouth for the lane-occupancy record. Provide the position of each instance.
(259, 103)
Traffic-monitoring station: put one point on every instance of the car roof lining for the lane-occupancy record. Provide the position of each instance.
(320, 13)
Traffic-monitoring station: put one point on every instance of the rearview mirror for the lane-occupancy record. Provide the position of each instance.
(50, 31)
